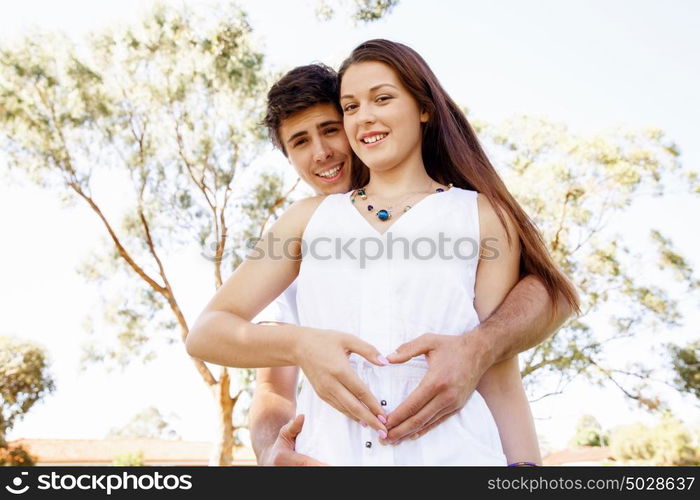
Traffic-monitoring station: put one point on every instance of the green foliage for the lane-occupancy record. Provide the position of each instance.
(149, 423)
(24, 380)
(262, 204)
(686, 364)
(589, 433)
(129, 460)
(132, 319)
(15, 455)
(573, 186)
(170, 109)
(667, 443)
(360, 11)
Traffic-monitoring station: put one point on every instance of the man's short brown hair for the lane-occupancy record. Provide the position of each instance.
(299, 89)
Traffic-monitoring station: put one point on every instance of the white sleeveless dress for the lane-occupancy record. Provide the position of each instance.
(407, 284)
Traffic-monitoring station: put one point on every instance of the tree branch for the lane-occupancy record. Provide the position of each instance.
(275, 206)
(120, 248)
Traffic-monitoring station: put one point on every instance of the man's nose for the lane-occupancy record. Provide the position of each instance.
(323, 153)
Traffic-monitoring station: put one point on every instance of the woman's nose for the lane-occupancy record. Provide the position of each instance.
(365, 115)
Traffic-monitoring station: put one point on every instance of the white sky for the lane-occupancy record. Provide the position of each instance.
(589, 64)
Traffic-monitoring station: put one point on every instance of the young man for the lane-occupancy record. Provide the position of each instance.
(306, 124)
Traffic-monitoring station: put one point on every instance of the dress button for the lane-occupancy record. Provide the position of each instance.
(383, 402)
(368, 444)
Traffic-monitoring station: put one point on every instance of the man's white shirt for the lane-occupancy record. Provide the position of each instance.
(283, 309)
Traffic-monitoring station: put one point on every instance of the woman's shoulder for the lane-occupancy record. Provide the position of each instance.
(297, 216)
(468, 194)
(489, 220)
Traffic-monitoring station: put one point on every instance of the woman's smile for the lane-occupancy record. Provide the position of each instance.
(372, 139)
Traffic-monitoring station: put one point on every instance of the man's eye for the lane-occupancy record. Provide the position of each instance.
(299, 142)
(331, 130)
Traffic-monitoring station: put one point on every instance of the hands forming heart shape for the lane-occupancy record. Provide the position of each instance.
(454, 370)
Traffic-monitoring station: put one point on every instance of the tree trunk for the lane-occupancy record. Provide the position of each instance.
(222, 453)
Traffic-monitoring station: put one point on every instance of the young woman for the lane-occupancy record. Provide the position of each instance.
(411, 234)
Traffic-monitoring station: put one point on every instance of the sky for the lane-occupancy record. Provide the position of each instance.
(588, 64)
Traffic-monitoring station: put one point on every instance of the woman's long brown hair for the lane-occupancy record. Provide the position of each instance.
(452, 154)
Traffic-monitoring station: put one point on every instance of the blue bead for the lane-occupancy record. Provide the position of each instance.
(439, 190)
(383, 215)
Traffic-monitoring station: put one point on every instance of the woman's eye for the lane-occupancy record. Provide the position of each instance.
(382, 98)
(349, 107)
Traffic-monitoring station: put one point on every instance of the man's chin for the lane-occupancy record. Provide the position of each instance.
(342, 185)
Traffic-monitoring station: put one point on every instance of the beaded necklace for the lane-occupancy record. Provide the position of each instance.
(384, 214)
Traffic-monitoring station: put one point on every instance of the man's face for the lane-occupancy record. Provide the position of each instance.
(318, 148)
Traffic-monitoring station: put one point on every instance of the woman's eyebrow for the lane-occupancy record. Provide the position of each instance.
(372, 89)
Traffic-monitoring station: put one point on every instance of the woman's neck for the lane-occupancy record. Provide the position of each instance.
(399, 181)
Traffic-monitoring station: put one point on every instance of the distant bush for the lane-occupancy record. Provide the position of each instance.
(15, 455)
(589, 433)
(129, 460)
(668, 443)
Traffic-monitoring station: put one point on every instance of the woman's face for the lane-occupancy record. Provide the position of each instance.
(382, 119)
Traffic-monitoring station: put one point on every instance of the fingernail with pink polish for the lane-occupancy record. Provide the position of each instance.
(383, 360)
(363, 424)
(382, 418)
(382, 434)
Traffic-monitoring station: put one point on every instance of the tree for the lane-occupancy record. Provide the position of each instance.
(573, 186)
(24, 381)
(667, 443)
(149, 423)
(686, 364)
(360, 11)
(16, 455)
(589, 433)
(172, 107)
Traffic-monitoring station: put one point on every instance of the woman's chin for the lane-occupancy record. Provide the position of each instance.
(378, 167)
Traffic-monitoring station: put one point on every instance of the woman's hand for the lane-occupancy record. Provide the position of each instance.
(453, 374)
(323, 356)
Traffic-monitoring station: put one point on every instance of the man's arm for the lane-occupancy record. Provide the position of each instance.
(273, 425)
(272, 406)
(525, 319)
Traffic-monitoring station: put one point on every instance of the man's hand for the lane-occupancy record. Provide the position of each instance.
(455, 366)
(323, 356)
(282, 451)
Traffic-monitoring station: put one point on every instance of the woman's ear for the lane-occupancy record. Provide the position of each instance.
(424, 116)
